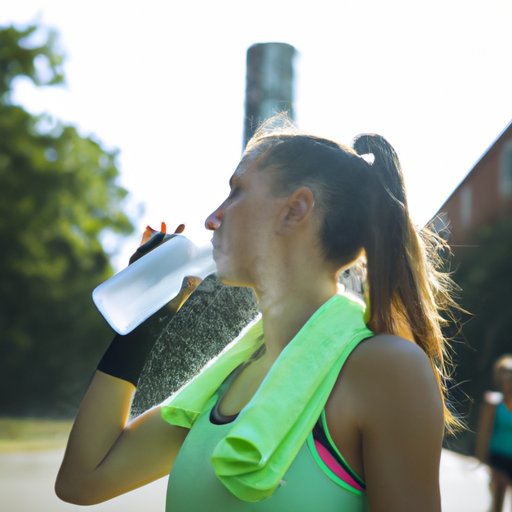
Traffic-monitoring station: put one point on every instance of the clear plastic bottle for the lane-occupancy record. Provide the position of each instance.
(136, 292)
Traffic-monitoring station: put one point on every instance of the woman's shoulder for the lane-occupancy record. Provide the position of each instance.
(386, 352)
(386, 398)
(387, 372)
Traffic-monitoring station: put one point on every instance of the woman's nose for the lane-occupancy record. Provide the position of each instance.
(214, 220)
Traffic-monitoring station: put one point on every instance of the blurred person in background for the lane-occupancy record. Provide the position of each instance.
(494, 434)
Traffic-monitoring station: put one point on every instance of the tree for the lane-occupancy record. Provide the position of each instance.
(59, 197)
(484, 275)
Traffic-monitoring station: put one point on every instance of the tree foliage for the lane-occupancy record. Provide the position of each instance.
(41, 64)
(484, 275)
(59, 197)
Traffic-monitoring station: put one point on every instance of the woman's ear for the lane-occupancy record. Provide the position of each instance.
(297, 210)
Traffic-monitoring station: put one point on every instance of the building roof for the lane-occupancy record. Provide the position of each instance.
(507, 131)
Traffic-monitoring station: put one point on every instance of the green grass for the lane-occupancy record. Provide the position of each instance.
(23, 434)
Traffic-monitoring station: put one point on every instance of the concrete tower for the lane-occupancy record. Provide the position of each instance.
(269, 84)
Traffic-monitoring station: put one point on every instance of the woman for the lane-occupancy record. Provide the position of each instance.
(312, 409)
(494, 435)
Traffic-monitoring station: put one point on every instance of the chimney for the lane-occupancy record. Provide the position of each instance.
(269, 84)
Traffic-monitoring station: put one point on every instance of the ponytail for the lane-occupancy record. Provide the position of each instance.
(386, 230)
(406, 291)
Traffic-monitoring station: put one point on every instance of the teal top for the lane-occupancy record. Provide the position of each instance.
(501, 439)
(254, 453)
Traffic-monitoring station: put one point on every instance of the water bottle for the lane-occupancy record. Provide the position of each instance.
(149, 283)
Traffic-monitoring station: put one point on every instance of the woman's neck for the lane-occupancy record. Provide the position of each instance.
(292, 280)
(287, 308)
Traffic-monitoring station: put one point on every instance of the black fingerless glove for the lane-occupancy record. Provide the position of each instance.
(126, 355)
(156, 239)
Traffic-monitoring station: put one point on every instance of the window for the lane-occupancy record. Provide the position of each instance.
(441, 225)
(505, 181)
(466, 200)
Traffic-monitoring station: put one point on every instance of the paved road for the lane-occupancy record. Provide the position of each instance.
(26, 485)
(464, 485)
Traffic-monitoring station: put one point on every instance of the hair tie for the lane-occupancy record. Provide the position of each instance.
(369, 158)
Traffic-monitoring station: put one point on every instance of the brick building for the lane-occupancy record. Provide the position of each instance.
(483, 197)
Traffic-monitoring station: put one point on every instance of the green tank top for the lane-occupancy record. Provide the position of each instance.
(264, 460)
(194, 487)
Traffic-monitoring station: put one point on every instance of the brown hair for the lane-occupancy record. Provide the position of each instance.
(361, 196)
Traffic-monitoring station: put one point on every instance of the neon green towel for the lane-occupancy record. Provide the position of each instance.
(270, 430)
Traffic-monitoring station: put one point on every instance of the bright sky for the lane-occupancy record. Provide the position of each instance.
(164, 82)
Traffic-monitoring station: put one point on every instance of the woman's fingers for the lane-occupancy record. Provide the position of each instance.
(179, 229)
(189, 284)
(152, 238)
(146, 236)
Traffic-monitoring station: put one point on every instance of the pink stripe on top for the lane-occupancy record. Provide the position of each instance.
(335, 467)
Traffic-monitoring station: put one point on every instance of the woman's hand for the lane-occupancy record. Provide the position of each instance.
(151, 238)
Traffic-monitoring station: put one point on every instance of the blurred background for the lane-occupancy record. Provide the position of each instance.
(115, 116)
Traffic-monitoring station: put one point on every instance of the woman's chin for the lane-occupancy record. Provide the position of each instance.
(230, 279)
(227, 279)
(222, 274)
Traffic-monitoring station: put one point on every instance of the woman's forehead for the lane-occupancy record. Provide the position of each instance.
(247, 165)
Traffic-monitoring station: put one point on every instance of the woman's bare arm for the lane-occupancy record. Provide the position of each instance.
(397, 413)
(485, 425)
(106, 456)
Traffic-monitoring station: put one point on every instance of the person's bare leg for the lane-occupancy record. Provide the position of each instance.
(499, 484)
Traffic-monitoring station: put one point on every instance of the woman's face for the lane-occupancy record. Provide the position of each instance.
(506, 382)
(244, 225)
